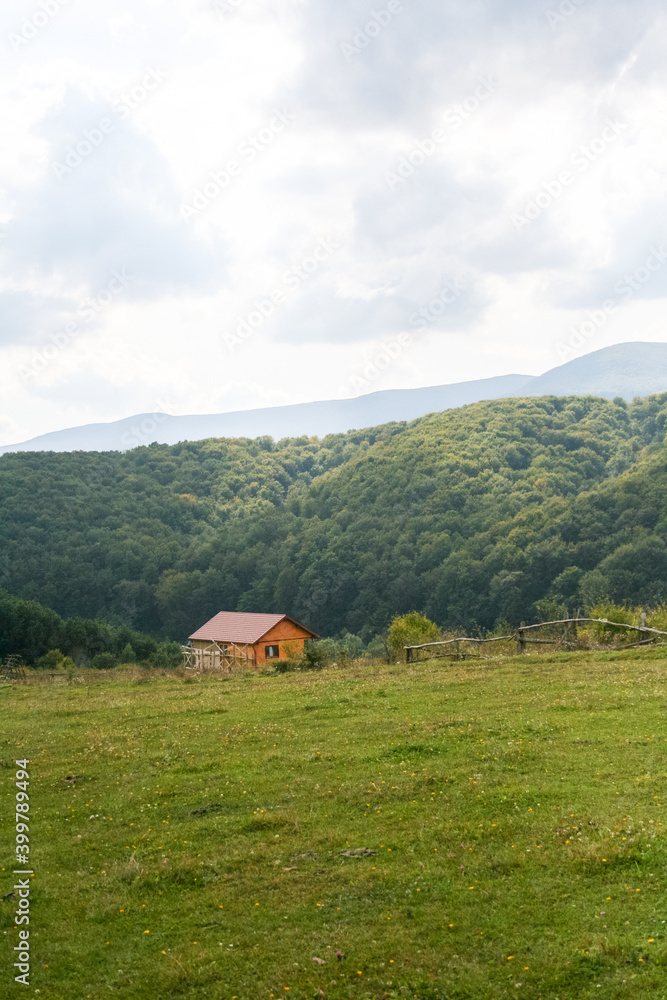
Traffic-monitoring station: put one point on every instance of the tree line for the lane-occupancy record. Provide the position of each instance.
(42, 638)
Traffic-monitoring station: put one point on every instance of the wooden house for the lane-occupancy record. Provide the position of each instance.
(237, 639)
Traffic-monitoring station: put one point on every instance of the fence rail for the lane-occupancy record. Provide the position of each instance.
(567, 638)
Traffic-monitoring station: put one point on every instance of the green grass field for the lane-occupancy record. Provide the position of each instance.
(188, 839)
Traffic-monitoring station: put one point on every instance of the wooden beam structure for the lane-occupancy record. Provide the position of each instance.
(219, 657)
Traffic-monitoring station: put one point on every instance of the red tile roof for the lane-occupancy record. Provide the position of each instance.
(240, 627)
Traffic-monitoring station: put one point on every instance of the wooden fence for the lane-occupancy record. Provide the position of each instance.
(565, 639)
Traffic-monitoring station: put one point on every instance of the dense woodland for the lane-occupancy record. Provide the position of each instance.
(40, 636)
(471, 516)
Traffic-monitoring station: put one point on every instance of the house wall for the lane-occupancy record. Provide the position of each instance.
(283, 632)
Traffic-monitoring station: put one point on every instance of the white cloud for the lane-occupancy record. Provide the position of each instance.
(224, 72)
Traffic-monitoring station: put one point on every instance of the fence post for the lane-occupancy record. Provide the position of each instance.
(520, 640)
(643, 636)
(408, 655)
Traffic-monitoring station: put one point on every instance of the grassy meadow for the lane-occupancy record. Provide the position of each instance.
(448, 830)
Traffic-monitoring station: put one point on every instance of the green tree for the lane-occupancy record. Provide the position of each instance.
(594, 589)
(412, 629)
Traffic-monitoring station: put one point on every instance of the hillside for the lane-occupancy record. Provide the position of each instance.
(625, 370)
(471, 515)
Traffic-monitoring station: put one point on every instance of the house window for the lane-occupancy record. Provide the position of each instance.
(272, 652)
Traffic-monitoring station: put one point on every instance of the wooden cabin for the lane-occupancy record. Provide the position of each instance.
(235, 639)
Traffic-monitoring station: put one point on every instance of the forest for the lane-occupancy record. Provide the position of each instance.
(471, 516)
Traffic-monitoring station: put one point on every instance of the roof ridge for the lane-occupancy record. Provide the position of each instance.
(245, 627)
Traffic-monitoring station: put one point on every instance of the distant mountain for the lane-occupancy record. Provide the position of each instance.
(626, 370)
(334, 416)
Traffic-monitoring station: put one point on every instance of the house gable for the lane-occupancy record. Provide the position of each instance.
(287, 633)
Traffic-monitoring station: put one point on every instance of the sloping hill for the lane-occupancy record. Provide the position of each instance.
(471, 515)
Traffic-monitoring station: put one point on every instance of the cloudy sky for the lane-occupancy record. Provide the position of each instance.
(209, 205)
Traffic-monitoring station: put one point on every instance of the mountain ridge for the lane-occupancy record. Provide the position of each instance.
(628, 370)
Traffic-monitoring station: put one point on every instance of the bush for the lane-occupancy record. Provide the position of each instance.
(410, 630)
(377, 648)
(351, 647)
(318, 653)
(53, 660)
(287, 666)
(314, 655)
(614, 613)
(657, 617)
(104, 661)
(328, 651)
(167, 654)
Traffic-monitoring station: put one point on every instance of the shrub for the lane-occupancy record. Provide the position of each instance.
(412, 629)
(167, 654)
(351, 647)
(287, 666)
(103, 661)
(614, 613)
(314, 655)
(53, 660)
(657, 617)
(328, 651)
(377, 648)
